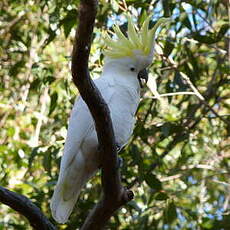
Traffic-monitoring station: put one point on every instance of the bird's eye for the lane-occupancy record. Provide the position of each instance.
(132, 69)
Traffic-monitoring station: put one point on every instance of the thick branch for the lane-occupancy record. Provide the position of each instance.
(25, 207)
(114, 195)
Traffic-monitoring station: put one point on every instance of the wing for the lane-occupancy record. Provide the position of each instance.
(78, 164)
(81, 124)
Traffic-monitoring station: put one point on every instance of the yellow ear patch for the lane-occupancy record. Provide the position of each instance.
(142, 40)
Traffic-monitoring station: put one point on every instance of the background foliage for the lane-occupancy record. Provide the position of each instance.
(178, 159)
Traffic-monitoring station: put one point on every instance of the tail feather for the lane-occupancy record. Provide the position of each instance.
(70, 182)
(60, 207)
(67, 190)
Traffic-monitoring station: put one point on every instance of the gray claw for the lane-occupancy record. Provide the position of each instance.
(120, 162)
(118, 147)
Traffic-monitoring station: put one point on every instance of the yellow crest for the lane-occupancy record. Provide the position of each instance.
(141, 41)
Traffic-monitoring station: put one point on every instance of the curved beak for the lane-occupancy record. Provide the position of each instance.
(143, 74)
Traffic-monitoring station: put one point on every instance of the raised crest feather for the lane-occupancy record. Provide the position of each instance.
(137, 40)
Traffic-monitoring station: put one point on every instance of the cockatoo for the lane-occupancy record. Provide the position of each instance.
(126, 59)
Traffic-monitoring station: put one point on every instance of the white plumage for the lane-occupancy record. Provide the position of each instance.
(119, 85)
(120, 88)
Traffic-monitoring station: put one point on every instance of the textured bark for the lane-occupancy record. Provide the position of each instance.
(114, 195)
(26, 208)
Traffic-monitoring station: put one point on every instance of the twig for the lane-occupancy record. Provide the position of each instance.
(158, 162)
(221, 182)
(174, 65)
(25, 207)
(43, 101)
(7, 28)
(172, 94)
(202, 99)
(114, 195)
(193, 88)
(205, 19)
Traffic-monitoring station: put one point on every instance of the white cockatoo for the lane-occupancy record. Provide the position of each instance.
(126, 59)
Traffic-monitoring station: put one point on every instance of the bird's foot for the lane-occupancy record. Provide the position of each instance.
(118, 147)
(119, 162)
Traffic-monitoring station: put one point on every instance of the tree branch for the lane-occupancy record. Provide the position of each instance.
(26, 208)
(114, 195)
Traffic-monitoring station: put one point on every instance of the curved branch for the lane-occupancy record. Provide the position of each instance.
(114, 195)
(25, 207)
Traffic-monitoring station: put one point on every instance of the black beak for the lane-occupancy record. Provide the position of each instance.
(143, 74)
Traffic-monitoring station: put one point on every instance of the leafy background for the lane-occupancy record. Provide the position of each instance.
(177, 162)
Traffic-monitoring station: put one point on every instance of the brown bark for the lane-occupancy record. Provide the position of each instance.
(26, 208)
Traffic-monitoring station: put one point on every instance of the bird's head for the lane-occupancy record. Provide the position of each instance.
(135, 52)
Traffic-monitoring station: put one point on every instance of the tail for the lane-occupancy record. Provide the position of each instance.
(62, 206)
(72, 178)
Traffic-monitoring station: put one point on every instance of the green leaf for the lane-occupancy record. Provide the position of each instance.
(211, 38)
(223, 30)
(69, 21)
(207, 223)
(15, 69)
(49, 79)
(170, 213)
(53, 102)
(47, 161)
(204, 38)
(35, 85)
(169, 46)
(134, 205)
(161, 196)
(185, 20)
(10, 131)
(33, 154)
(166, 128)
(52, 36)
(179, 82)
(152, 181)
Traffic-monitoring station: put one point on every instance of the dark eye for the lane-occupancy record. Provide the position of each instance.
(132, 69)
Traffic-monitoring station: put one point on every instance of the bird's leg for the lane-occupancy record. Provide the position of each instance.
(119, 162)
(119, 159)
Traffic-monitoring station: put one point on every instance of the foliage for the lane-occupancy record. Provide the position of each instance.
(177, 161)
